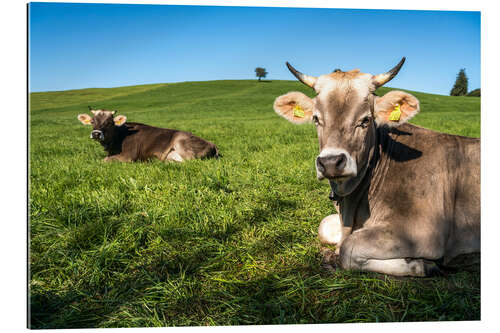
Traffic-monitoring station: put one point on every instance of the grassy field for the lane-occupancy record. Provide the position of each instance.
(214, 242)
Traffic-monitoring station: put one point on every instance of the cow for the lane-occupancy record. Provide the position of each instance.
(407, 197)
(128, 142)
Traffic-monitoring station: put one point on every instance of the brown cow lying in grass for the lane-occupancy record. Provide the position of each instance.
(129, 142)
(407, 197)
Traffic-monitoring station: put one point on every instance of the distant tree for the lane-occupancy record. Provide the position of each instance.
(260, 72)
(460, 86)
(475, 93)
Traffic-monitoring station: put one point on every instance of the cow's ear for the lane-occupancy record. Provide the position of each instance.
(395, 108)
(120, 120)
(295, 107)
(85, 118)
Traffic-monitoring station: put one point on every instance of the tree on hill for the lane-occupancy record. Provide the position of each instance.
(260, 72)
(460, 86)
(475, 93)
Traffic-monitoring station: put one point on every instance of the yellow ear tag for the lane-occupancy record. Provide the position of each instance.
(298, 111)
(395, 114)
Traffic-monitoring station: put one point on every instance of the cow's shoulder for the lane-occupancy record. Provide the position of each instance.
(410, 142)
(136, 126)
(148, 128)
(414, 133)
(410, 132)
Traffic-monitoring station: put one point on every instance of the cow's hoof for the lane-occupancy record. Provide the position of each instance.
(329, 260)
(431, 269)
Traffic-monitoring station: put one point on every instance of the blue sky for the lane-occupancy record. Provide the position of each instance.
(76, 46)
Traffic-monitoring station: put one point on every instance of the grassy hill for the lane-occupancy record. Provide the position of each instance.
(214, 242)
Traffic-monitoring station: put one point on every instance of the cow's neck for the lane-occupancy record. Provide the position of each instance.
(113, 146)
(356, 207)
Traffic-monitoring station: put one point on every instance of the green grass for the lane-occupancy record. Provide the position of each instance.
(214, 242)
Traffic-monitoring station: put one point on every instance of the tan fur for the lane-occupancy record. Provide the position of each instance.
(349, 75)
(409, 106)
(96, 112)
(342, 83)
(284, 105)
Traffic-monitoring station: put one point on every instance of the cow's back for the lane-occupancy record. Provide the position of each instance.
(143, 142)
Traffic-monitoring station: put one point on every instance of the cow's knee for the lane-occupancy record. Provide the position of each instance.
(350, 254)
(116, 158)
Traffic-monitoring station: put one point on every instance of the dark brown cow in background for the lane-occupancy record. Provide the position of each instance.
(406, 196)
(129, 142)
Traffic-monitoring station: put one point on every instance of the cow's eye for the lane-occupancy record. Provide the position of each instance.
(315, 119)
(364, 122)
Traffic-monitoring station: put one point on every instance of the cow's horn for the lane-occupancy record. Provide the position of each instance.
(383, 78)
(305, 79)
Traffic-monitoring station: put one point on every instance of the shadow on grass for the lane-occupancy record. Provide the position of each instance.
(67, 310)
(302, 294)
(179, 276)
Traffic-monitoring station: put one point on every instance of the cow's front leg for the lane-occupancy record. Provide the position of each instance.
(118, 158)
(331, 231)
(378, 249)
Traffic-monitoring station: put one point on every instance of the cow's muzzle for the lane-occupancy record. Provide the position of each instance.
(335, 164)
(97, 135)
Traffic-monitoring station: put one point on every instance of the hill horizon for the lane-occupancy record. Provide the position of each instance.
(222, 80)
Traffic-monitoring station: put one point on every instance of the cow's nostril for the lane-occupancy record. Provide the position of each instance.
(321, 166)
(341, 161)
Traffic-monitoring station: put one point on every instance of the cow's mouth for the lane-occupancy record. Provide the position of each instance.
(336, 179)
(97, 135)
(339, 179)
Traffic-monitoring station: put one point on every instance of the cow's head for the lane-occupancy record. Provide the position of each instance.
(346, 113)
(103, 123)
